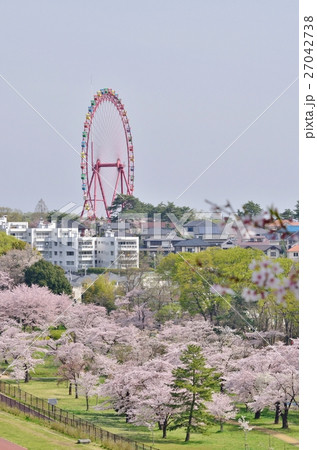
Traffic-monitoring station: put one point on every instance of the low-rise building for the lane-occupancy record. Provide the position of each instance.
(272, 251)
(204, 229)
(195, 245)
(293, 253)
(74, 250)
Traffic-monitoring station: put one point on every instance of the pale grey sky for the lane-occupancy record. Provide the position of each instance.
(192, 75)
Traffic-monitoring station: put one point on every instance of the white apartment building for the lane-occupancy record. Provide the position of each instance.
(68, 248)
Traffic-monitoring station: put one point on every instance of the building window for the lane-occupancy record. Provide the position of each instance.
(69, 253)
(111, 253)
(112, 243)
(69, 244)
(69, 263)
(273, 253)
(295, 255)
(55, 253)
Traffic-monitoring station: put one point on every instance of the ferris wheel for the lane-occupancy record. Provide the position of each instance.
(107, 156)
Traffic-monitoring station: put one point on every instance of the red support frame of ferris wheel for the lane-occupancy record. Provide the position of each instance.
(97, 178)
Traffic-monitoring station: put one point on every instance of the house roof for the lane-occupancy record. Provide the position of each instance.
(295, 248)
(161, 231)
(263, 247)
(285, 222)
(292, 228)
(195, 223)
(209, 224)
(164, 238)
(196, 242)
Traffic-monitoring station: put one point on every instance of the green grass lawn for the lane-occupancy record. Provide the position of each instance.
(231, 438)
(34, 436)
(44, 385)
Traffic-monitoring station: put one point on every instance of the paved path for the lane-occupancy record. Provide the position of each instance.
(7, 445)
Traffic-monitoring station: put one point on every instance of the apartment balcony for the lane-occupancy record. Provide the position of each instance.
(84, 257)
(127, 247)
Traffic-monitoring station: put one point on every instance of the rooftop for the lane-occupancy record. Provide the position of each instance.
(295, 248)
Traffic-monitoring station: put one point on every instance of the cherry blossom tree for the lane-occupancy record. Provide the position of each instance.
(142, 393)
(282, 389)
(221, 408)
(155, 399)
(18, 374)
(20, 350)
(244, 425)
(249, 377)
(14, 262)
(32, 307)
(87, 383)
(5, 281)
(10, 337)
(24, 361)
(74, 358)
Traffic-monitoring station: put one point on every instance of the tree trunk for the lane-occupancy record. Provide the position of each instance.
(26, 374)
(277, 413)
(164, 428)
(76, 390)
(284, 415)
(87, 403)
(70, 389)
(190, 418)
(159, 425)
(257, 414)
(221, 426)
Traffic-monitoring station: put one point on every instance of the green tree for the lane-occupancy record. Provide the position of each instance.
(192, 384)
(8, 243)
(250, 209)
(43, 273)
(129, 204)
(196, 273)
(101, 292)
(288, 214)
(296, 211)
(132, 205)
(171, 208)
(13, 215)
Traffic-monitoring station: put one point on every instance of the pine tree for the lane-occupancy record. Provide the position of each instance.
(193, 383)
